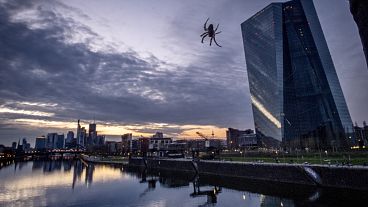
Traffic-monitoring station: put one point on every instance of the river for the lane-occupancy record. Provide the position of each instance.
(73, 183)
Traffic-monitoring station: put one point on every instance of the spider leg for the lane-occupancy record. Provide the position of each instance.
(204, 34)
(204, 37)
(214, 39)
(218, 32)
(211, 41)
(217, 27)
(205, 24)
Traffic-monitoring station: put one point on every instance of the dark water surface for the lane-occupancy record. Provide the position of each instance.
(73, 183)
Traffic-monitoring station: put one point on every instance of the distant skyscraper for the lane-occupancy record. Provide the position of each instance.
(40, 143)
(81, 135)
(359, 9)
(92, 128)
(70, 142)
(51, 140)
(69, 137)
(60, 141)
(92, 134)
(295, 92)
(14, 145)
(24, 143)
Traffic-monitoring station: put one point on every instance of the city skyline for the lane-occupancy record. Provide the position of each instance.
(141, 72)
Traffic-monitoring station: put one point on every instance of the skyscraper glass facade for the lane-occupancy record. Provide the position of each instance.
(295, 92)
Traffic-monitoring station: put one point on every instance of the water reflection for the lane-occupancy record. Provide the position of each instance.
(77, 183)
(201, 188)
(210, 194)
(151, 181)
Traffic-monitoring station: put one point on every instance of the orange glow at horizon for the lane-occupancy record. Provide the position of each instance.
(186, 131)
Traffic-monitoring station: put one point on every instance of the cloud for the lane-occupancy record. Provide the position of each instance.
(25, 112)
(51, 67)
(52, 62)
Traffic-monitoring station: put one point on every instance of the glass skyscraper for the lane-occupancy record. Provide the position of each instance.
(295, 92)
(359, 9)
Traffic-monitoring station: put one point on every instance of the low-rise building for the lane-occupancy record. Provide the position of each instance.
(143, 146)
(361, 135)
(158, 144)
(236, 138)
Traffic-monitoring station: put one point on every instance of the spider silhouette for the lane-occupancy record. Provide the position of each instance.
(210, 32)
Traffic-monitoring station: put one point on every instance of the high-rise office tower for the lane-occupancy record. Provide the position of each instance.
(60, 142)
(80, 135)
(69, 137)
(295, 92)
(70, 142)
(92, 134)
(14, 145)
(40, 143)
(51, 140)
(359, 9)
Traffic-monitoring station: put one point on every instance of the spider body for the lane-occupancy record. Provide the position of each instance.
(210, 32)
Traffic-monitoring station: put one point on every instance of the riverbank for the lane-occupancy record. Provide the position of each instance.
(346, 177)
(105, 160)
(326, 158)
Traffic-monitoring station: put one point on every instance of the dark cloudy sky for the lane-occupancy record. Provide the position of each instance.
(138, 66)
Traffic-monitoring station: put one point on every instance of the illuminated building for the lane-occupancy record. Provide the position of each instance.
(237, 138)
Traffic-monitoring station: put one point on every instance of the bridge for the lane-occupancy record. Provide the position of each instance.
(6, 156)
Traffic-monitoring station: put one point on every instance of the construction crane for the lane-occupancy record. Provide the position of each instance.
(211, 151)
(206, 139)
(204, 136)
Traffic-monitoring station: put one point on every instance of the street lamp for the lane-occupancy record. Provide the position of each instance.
(326, 154)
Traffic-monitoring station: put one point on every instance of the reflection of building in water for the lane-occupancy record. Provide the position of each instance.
(270, 201)
(57, 164)
(150, 181)
(89, 174)
(143, 176)
(52, 165)
(172, 182)
(67, 165)
(211, 194)
(37, 165)
(77, 173)
(20, 165)
(5, 163)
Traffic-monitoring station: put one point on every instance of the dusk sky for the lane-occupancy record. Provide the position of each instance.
(139, 66)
